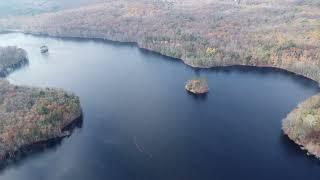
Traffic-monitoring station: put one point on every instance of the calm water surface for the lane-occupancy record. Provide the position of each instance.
(140, 124)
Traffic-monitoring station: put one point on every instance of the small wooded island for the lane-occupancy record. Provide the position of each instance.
(31, 115)
(197, 86)
(302, 125)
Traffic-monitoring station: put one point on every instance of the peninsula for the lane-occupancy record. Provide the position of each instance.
(30, 115)
(302, 125)
(11, 58)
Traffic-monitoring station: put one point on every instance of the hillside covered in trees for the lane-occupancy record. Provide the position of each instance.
(30, 115)
(203, 33)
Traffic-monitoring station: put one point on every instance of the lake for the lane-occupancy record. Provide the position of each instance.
(139, 123)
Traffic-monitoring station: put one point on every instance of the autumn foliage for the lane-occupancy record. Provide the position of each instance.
(302, 125)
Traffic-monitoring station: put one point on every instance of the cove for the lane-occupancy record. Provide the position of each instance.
(140, 123)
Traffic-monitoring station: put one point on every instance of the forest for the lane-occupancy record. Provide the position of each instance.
(302, 125)
(30, 115)
(203, 33)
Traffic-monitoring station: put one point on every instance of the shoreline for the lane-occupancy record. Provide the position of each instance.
(136, 44)
(65, 127)
(40, 146)
(5, 72)
(31, 115)
(6, 66)
(302, 126)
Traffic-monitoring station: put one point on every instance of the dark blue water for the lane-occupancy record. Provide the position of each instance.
(140, 124)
